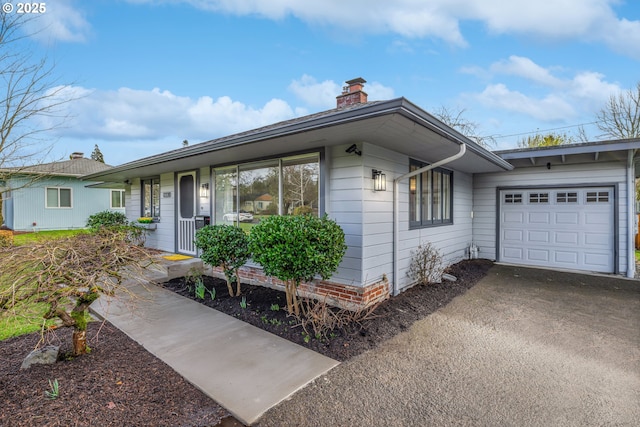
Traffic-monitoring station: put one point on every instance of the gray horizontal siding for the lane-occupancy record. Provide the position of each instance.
(344, 204)
(450, 240)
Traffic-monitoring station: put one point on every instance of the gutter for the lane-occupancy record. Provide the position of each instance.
(631, 215)
(396, 208)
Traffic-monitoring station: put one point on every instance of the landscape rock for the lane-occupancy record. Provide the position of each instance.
(449, 277)
(42, 356)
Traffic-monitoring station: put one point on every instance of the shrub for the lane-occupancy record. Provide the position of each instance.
(107, 219)
(6, 237)
(302, 210)
(297, 248)
(426, 264)
(226, 246)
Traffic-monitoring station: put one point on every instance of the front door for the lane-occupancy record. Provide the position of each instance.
(186, 212)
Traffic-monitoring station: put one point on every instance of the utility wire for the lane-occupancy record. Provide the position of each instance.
(543, 131)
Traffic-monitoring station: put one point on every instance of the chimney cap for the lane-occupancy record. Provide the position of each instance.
(77, 155)
(355, 81)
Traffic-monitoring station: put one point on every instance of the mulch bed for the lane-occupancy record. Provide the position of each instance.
(120, 383)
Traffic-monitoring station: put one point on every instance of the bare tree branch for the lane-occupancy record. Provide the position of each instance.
(468, 128)
(620, 117)
(30, 103)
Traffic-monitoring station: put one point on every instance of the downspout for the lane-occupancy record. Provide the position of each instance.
(631, 217)
(396, 208)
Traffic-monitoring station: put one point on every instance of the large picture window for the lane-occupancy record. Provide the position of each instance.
(151, 198)
(430, 196)
(246, 193)
(58, 197)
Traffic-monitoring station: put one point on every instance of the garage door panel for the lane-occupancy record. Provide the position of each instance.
(514, 254)
(596, 239)
(539, 217)
(596, 260)
(513, 218)
(513, 235)
(538, 255)
(566, 257)
(571, 218)
(538, 237)
(592, 218)
(568, 228)
(566, 237)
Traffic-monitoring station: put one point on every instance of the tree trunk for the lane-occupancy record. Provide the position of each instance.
(229, 287)
(237, 284)
(79, 342)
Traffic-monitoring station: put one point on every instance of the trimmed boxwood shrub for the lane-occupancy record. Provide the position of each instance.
(107, 219)
(226, 246)
(297, 248)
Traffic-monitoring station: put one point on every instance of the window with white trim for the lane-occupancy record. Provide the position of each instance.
(117, 199)
(58, 197)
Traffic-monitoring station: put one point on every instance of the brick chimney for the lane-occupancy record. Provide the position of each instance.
(352, 94)
(76, 155)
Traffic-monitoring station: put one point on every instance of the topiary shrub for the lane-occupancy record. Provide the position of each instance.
(107, 219)
(426, 264)
(297, 248)
(226, 246)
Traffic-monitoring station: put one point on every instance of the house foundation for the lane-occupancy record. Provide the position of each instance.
(336, 294)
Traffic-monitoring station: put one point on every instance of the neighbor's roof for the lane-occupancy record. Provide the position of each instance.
(73, 167)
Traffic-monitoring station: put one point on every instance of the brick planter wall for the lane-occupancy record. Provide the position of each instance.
(336, 294)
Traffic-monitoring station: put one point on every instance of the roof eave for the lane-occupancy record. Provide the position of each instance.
(399, 105)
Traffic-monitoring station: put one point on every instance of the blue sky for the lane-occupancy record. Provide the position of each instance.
(149, 74)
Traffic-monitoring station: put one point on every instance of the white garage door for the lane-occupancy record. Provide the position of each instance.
(569, 228)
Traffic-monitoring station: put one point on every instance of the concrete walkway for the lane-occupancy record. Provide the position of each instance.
(243, 368)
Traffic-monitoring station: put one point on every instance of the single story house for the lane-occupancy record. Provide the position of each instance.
(51, 196)
(393, 177)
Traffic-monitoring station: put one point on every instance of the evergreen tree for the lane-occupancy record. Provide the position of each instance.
(97, 155)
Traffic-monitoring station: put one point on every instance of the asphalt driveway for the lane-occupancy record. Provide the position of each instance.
(524, 347)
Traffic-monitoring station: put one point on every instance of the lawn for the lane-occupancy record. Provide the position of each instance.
(21, 239)
(29, 319)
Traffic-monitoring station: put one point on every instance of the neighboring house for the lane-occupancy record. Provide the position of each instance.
(51, 197)
(393, 177)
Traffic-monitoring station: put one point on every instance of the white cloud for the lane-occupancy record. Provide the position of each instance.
(316, 94)
(61, 22)
(323, 94)
(550, 108)
(586, 20)
(565, 99)
(525, 67)
(139, 114)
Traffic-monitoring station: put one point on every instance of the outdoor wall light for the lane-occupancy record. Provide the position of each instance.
(204, 190)
(379, 180)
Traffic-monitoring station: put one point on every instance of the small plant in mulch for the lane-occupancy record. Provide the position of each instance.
(426, 265)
